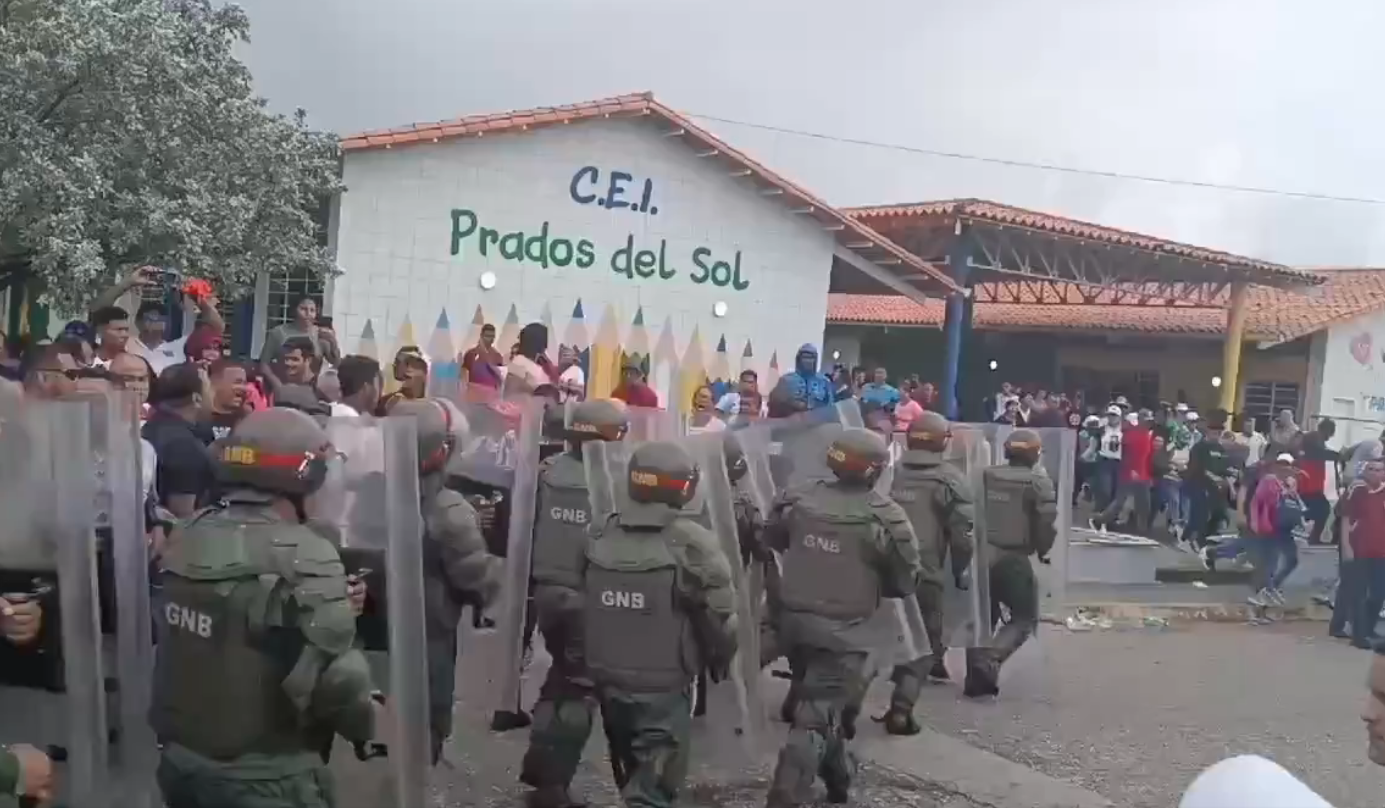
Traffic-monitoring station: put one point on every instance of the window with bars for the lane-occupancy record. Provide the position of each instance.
(285, 289)
(1265, 399)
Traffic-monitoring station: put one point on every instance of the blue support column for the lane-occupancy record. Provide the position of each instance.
(956, 324)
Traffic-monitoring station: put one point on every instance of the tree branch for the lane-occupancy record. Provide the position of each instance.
(63, 94)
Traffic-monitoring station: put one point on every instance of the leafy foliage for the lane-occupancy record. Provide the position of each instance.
(130, 134)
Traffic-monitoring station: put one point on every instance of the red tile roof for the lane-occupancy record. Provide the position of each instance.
(845, 228)
(979, 210)
(1276, 315)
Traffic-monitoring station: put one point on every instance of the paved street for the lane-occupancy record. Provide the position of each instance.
(1135, 715)
(482, 768)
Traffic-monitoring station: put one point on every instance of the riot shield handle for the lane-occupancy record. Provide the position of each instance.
(40, 588)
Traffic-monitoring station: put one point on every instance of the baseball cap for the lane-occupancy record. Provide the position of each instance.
(1123, 401)
(1284, 457)
(1114, 409)
(1180, 407)
(1192, 416)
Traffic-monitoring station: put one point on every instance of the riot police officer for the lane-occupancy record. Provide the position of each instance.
(256, 631)
(659, 608)
(1021, 506)
(937, 497)
(457, 569)
(844, 547)
(563, 714)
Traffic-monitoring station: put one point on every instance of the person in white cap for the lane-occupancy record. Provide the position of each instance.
(1108, 457)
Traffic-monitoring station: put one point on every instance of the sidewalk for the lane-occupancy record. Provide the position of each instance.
(1183, 601)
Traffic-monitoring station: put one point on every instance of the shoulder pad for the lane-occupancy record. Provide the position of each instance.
(563, 471)
(885, 508)
(1043, 486)
(449, 511)
(701, 553)
(313, 555)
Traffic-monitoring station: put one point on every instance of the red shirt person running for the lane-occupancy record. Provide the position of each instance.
(1133, 479)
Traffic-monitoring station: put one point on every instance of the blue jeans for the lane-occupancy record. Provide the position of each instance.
(1370, 597)
(1286, 558)
(1348, 597)
(1104, 486)
(1168, 497)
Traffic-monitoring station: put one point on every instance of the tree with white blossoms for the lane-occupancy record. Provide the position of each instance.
(130, 134)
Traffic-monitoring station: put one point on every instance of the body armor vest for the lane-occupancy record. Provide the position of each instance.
(637, 637)
(917, 490)
(1007, 523)
(224, 652)
(829, 568)
(560, 530)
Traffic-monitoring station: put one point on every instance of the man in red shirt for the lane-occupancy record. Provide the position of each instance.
(1313, 456)
(632, 388)
(1362, 589)
(1133, 480)
(481, 364)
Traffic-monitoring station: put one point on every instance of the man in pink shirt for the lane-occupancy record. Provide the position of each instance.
(908, 409)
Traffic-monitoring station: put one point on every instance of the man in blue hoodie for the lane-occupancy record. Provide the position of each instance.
(805, 386)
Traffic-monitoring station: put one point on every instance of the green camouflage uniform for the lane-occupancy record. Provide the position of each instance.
(660, 608)
(1021, 510)
(937, 498)
(255, 661)
(844, 546)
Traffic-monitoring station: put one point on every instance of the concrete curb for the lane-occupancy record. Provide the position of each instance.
(972, 776)
(1186, 612)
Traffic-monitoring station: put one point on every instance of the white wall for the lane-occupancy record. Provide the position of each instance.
(1353, 378)
(395, 239)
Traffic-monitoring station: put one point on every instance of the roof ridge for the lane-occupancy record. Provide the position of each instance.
(645, 103)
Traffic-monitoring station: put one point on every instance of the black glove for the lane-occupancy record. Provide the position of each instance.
(962, 579)
(1043, 559)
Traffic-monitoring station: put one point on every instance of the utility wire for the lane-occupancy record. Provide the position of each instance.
(1001, 161)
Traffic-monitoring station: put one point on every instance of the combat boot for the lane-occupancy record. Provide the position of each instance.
(939, 673)
(900, 721)
(982, 674)
(505, 720)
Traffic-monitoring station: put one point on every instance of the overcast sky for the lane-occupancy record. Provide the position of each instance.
(1269, 93)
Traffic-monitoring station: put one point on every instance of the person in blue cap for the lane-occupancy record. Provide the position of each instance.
(805, 386)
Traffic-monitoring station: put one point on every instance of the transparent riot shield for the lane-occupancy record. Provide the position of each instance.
(371, 504)
(53, 683)
(495, 465)
(607, 466)
(997, 582)
(126, 609)
(648, 424)
(900, 621)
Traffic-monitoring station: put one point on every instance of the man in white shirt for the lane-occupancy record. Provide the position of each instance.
(152, 322)
(1108, 456)
(359, 382)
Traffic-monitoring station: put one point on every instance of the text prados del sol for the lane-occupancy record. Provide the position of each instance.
(542, 247)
